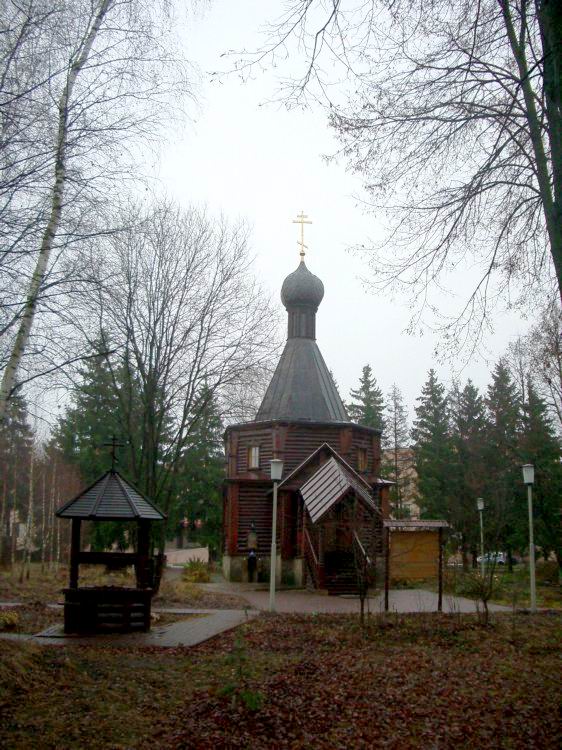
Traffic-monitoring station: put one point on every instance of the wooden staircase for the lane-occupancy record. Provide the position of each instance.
(341, 575)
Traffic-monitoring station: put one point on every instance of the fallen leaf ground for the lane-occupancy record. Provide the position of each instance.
(418, 681)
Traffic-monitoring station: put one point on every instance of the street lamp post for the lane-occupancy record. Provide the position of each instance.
(480, 506)
(276, 472)
(529, 479)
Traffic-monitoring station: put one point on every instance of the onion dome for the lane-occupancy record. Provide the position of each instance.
(302, 289)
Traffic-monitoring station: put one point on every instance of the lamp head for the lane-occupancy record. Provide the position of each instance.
(528, 474)
(276, 469)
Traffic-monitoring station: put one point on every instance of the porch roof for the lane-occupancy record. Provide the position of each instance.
(325, 447)
(328, 485)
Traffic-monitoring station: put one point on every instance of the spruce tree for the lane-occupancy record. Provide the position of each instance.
(540, 446)
(502, 459)
(16, 445)
(367, 402)
(432, 449)
(468, 471)
(198, 485)
(94, 415)
(396, 444)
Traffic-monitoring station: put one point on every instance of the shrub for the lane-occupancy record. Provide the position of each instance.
(9, 619)
(196, 571)
(548, 573)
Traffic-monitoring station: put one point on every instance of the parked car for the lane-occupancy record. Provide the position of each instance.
(498, 558)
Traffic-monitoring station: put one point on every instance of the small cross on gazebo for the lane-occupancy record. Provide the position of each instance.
(114, 444)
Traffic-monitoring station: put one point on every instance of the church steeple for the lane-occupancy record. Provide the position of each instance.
(302, 387)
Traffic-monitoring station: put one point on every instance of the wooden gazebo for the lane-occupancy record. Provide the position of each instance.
(97, 608)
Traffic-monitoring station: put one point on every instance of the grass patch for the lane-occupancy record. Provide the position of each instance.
(510, 589)
(45, 586)
(29, 618)
(177, 592)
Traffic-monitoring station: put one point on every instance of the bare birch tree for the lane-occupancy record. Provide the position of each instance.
(177, 304)
(452, 112)
(84, 86)
(538, 355)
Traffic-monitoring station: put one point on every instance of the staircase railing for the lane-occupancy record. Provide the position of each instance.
(365, 565)
(361, 548)
(311, 558)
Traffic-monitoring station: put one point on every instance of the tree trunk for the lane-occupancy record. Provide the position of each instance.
(362, 613)
(550, 23)
(43, 516)
(8, 384)
(58, 554)
(14, 511)
(550, 192)
(26, 557)
(3, 529)
(464, 554)
(51, 530)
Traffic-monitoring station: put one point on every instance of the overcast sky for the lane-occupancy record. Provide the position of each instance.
(265, 164)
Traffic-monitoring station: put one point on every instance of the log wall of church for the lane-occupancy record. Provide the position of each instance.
(294, 443)
(254, 505)
(302, 440)
(248, 494)
(260, 437)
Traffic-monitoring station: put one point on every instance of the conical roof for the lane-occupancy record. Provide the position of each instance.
(302, 387)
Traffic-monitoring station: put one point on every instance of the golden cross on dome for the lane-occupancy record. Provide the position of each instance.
(302, 219)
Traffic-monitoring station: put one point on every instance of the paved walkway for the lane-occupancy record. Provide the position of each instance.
(208, 623)
(190, 632)
(400, 600)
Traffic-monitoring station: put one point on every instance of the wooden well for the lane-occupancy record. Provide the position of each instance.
(92, 609)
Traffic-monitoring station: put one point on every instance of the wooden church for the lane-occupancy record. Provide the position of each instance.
(331, 500)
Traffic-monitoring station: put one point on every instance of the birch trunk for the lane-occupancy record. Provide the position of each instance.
(8, 383)
(43, 517)
(14, 511)
(26, 557)
(3, 516)
(51, 530)
(58, 544)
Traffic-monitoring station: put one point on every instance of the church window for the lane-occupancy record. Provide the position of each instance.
(362, 459)
(253, 457)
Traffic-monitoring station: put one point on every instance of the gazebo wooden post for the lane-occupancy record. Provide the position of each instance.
(386, 568)
(440, 599)
(74, 553)
(143, 550)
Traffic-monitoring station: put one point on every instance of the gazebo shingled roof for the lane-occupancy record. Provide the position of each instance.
(111, 498)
